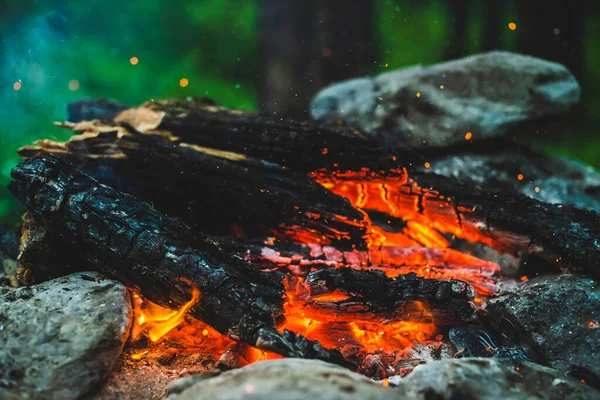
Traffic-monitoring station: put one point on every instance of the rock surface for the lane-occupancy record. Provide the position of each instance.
(559, 180)
(285, 379)
(437, 105)
(60, 338)
(490, 378)
(9, 250)
(559, 317)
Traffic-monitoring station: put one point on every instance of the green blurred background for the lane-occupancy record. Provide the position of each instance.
(234, 51)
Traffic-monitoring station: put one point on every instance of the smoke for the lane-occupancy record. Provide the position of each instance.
(35, 70)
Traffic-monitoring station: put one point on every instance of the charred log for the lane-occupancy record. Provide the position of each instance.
(299, 145)
(173, 133)
(448, 301)
(127, 239)
(247, 196)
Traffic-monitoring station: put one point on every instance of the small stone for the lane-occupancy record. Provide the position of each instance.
(486, 94)
(490, 379)
(287, 379)
(558, 317)
(57, 341)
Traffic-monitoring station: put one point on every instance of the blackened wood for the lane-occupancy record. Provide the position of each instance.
(215, 192)
(563, 235)
(297, 144)
(449, 302)
(129, 240)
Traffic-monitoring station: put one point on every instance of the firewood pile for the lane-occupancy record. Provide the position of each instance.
(320, 239)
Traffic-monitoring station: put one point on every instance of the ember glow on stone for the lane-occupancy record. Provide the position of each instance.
(520, 177)
(468, 136)
(537, 189)
(442, 86)
(512, 26)
(418, 94)
(427, 164)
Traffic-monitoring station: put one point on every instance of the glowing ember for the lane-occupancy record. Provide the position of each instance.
(468, 136)
(413, 233)
(134, 60)
(183, 82)
(512, 26)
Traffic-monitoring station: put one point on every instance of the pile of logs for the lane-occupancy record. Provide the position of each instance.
(165, 195)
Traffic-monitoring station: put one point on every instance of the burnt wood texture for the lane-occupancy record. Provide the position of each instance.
(220, 169)
(127, 239)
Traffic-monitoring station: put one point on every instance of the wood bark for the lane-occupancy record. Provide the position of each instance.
(164, 151)
(128, 240)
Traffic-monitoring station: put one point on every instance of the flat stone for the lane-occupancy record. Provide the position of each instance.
(559, 317)
(486, 94)
(285, 379)
(59, 339)
(558, 180)
(490, 378)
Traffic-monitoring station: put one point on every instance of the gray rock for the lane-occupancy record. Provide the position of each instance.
(490, 378)
(59, 339)
(559, 180)
(436, 105)
(559, 316)
(285, 379)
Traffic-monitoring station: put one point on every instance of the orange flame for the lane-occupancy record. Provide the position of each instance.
(157, 321)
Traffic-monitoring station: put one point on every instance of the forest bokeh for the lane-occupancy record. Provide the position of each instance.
(269, 55)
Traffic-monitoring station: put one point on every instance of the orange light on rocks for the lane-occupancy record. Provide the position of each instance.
(184, 82)
(520, 177)
(524, 278)
(134, 60)
(442, 86)
(512, 26)
(325, 151)
(385, 383)
(537, 189)
(418, 94)
(468, 136)
(427, 164)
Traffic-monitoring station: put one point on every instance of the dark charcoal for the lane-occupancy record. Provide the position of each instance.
(449, 301)
(127, 239)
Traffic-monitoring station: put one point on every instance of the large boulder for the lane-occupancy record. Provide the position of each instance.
(285, 379)
(559, 317)
(59, 339)
(437, 105)
(490, 379)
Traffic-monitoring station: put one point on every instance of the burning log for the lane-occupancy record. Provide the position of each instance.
(448, 301)
(247, 196)
(127, 239)
(252, 193)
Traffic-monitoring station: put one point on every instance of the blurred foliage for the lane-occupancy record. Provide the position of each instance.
(46, 44)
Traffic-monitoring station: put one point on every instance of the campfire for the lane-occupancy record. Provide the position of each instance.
(241, 237)
(245, 238)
